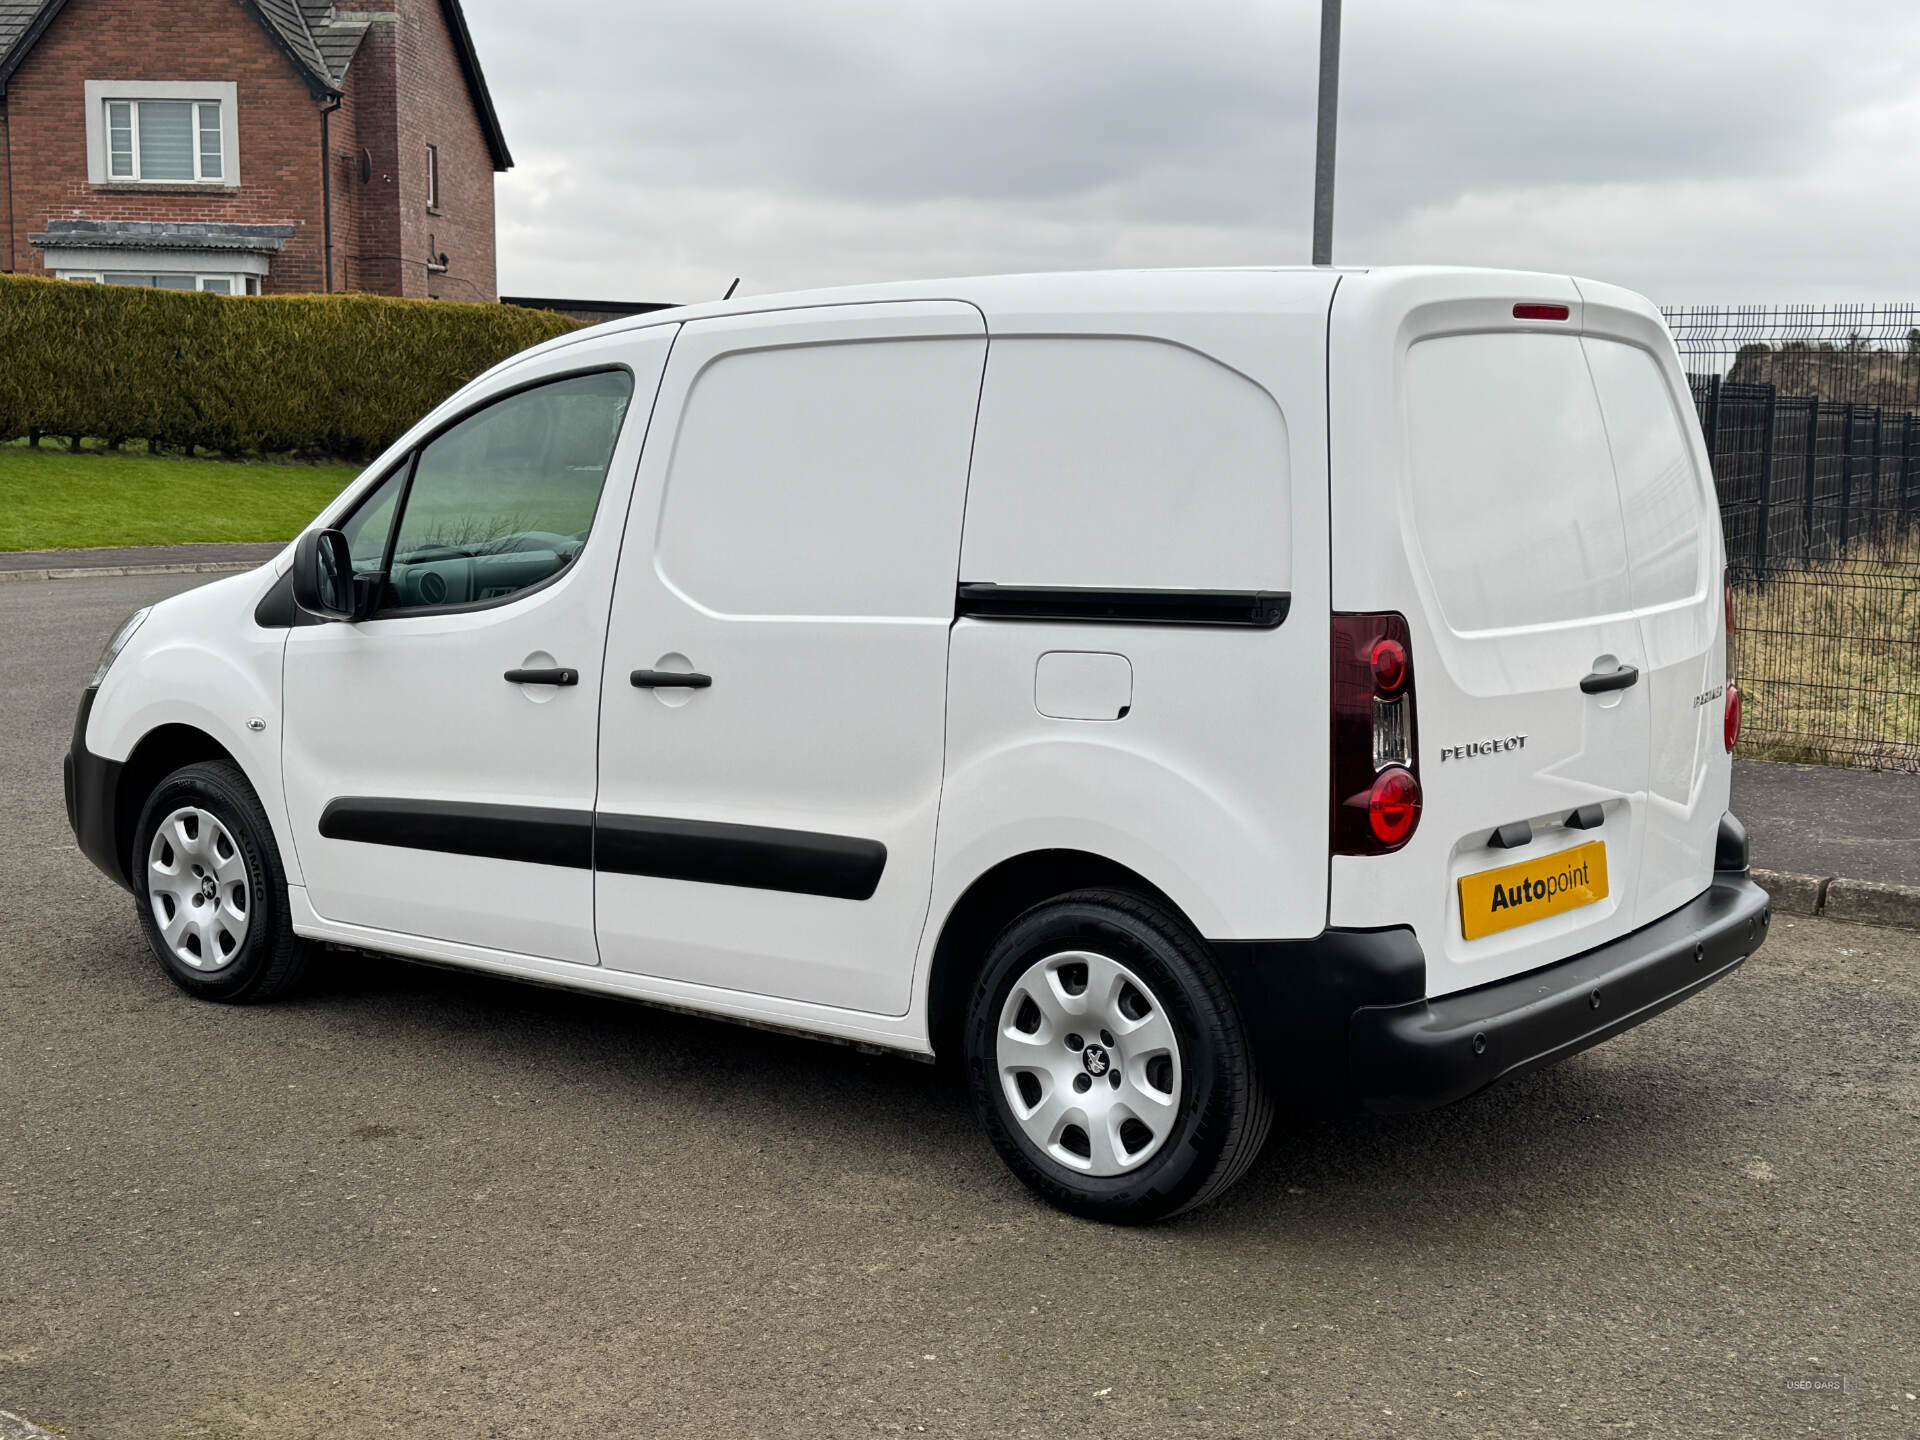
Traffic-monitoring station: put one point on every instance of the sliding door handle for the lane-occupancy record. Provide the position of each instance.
(1599, 682)
(670, 680)
(553, 676)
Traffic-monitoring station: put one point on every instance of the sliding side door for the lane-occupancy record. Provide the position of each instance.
(774, 696)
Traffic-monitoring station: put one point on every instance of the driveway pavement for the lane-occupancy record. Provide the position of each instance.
(1815, 820)
(428, 1204)
(116, 556)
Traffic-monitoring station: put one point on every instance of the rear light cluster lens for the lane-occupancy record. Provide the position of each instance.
(1733, 674)
(1392, 745)
(1389, 658)
(1376, 769)
(1540, 312)
(1393, 807)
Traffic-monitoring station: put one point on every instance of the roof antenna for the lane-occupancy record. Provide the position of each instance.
(731, 288)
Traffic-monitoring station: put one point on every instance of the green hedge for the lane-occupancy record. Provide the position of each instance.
(319, 374)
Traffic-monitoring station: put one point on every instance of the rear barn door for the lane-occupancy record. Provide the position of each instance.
(795, 537)
(1675, 585)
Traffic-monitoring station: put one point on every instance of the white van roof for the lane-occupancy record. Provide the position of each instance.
(1009, 300)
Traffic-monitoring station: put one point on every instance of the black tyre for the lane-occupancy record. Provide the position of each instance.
(1108, 1063)
(210, 889)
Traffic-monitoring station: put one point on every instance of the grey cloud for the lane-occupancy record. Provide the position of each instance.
(999, 101)
(1061, 117)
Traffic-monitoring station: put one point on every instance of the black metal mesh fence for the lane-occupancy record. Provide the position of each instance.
(1812, 417)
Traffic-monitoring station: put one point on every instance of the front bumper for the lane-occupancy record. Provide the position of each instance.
(93, 800)
(1342, 1021)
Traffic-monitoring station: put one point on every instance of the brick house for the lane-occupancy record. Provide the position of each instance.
(248, 146)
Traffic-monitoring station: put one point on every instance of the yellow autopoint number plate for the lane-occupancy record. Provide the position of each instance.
(1496, 900)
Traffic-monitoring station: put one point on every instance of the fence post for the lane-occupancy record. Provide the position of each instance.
(1846, 477)
(1767, 480)
(1873, 467)
(1813, 475)
(1713, 424)
(1907, 469)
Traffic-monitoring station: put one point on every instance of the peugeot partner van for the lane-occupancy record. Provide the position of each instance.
(1173, 694)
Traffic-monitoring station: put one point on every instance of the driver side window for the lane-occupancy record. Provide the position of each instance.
(501, 501)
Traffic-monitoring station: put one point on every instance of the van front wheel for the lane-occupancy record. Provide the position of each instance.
(211, 891)
(1107, 1061)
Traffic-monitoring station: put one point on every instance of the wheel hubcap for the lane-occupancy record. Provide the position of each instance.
(197, 884)
(1089, 1063)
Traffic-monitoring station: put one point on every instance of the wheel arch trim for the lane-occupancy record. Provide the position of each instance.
(140, 750)
(990, 900)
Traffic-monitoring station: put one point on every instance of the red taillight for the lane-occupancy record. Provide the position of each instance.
(1389, 659)
(1376, 769)
(1541, 312)
(1733, 717)
(1393, 807)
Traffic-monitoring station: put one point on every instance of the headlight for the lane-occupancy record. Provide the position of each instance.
(117, 644)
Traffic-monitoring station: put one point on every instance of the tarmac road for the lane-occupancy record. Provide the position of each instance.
(426, 1204)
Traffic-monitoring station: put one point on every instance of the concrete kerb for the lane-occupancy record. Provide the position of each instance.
(90, 572)
(1866, 903)
(1830, 897)
(1793, 894)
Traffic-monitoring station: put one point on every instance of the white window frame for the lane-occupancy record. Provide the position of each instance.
(433, 178)
(224, 93)
(236, 282)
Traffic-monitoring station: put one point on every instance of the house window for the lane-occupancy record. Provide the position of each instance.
(169, 280)
(162, 132)
(433, 177)
(164, 140)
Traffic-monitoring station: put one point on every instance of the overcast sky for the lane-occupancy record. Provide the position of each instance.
(1697, 150)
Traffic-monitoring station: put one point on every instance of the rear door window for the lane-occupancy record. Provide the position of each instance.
(1662, 499)
(1513, 485)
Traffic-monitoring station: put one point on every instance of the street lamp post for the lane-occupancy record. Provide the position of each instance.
(1324, 138)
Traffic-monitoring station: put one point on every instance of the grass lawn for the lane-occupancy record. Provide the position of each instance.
(53, 500)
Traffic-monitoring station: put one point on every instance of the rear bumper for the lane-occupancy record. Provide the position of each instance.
(1342, 1021)
(1414, 1057)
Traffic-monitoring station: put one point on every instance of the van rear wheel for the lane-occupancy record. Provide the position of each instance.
(1107, 1062)
(210, 888)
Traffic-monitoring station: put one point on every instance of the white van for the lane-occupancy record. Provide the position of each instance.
(1174, 693)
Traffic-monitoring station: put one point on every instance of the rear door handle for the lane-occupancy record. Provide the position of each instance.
(670, 680)
(1599, 682)
(553, 676)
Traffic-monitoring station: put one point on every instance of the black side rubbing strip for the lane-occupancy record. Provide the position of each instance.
(800, 862)
(1250, 609)
(528, 833)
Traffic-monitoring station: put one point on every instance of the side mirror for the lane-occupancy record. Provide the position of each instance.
(324, 584)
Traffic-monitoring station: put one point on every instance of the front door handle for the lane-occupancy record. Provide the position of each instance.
(1599, 682)
(670, 680)
(555, 675)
